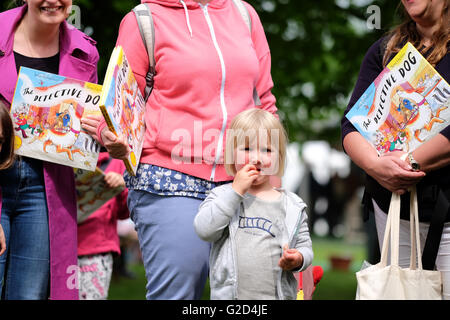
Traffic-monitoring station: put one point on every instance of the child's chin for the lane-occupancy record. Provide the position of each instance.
(260, 180)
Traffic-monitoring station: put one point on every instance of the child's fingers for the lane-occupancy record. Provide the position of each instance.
(249, 167)
(282, 263)
(285, 255)
(253, 173)
(289, 254)
(286, 251)
(113, 179)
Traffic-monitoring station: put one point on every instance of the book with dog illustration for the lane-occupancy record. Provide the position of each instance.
(406, 105)
(47, 111)
(123, 106)
(92, 192)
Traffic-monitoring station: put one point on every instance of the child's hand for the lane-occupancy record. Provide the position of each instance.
(290, 259)
(2, 241)
(117, 146)
(244, 178)
(114, 180)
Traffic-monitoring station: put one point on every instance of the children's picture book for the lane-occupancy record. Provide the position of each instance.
(47, 111)
(92, 192)
(406, 105)
(123, 106)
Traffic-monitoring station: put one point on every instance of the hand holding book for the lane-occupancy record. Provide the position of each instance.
(388, 170)
(47, 111)
(95, 188)
(123, 108)
(117, 146)
(114, 180)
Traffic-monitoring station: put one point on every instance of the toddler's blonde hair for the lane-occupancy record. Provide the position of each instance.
(253, 121)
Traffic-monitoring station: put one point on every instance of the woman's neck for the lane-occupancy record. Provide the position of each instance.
(427, 31)
(36, 40)
(428, 23)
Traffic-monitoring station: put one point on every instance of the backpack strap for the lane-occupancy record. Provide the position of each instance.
(244, 13)
(248, 21)
(147, 30)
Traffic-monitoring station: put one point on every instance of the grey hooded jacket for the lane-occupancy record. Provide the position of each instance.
(217, 222)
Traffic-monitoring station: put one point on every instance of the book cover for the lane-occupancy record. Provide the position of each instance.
(47, 111)
(92, 192)
(123, 106)
(406, 105)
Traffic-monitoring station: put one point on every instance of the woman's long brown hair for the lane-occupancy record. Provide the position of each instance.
(407, 32)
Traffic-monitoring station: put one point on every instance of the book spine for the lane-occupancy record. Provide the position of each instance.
(111, 127)
(108, 120)
(129, 167)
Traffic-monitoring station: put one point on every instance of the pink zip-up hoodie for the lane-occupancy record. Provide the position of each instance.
(208, 65)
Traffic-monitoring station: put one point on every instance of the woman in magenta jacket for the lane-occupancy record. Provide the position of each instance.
(39, 199)
(209, 66)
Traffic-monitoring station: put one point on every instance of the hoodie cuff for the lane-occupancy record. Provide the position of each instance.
(100, 128)
(229, 201)
(307, 259)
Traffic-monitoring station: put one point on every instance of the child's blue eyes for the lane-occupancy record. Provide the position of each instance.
(262, 150)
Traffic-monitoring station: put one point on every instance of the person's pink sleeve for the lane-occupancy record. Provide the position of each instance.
(265, 84)
(130, 40)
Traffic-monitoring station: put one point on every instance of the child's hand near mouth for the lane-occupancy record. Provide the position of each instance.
(244, 178)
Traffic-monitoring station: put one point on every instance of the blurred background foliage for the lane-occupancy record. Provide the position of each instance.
(316, 47)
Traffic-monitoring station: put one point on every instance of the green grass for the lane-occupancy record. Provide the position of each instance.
(325, 247)
(129, 289)
(134, 289)
(335, 284)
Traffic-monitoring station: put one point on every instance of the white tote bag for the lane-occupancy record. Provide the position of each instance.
(391, 282)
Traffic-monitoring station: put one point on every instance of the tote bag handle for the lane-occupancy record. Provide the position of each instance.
(392, 232)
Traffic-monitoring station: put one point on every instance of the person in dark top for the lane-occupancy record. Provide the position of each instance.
(38, 212)
(427, 27)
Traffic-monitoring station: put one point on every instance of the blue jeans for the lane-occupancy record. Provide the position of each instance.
(176, 260)
(24, 267)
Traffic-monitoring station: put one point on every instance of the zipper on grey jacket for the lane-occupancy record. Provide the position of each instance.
(222, 90)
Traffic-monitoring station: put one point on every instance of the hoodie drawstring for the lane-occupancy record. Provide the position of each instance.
(187, 17)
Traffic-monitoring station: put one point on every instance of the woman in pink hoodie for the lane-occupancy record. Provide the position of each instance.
(209, 67)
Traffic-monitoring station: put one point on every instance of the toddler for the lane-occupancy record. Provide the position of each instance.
(259, 234)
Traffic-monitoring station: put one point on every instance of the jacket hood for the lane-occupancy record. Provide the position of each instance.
(187, 5)
(190, 4)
